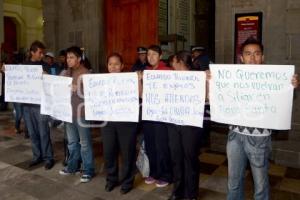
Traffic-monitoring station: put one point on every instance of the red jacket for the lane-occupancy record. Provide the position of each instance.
(161, 66)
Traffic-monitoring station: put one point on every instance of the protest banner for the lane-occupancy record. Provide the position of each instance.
(176, 97)
(56, 97)
(111, 97)
(23, 83)
(258, 96)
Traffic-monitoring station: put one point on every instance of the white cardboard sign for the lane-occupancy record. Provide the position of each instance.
(23, 83)
(176, 97)
(111, 97)
(258, 96)
(56, 97)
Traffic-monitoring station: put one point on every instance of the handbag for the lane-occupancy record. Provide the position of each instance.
(142, 161)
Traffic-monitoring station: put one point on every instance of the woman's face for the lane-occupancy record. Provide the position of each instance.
(114, 65)
(178, 64)
(72, 60)
(153, 57)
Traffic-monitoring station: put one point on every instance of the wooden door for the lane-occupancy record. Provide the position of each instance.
(129, 24)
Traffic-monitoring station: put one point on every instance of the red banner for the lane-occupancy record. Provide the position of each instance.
(246, 25)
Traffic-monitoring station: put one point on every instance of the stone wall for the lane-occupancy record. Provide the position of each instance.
(1, 24)
(280, 35)
(76, 22)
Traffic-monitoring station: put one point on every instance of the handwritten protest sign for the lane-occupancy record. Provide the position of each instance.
(176, 97)
(111, 97)
(252, 95)
(56, 97)
(23, 83)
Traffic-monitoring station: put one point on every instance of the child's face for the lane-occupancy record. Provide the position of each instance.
(114, 65)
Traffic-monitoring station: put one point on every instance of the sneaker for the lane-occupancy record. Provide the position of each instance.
(160, 183)
(150, 180)
(85, 178)
(64, 172)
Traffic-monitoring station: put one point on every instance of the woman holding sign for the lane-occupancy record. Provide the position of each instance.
(119, 136)
(184, 143)
(155, 134)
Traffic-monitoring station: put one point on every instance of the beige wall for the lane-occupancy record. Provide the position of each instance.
(29, 20)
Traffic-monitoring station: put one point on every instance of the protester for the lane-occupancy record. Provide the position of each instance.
(78, 132)
(37, 124)
(156, 134)
(184, 143)
(249, 143)
(119, 137)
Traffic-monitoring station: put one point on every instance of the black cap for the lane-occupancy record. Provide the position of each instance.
(141, 50)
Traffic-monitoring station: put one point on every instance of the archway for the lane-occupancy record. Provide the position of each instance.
(9, 45)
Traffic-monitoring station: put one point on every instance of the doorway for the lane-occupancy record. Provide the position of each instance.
(205, 25)
(9, 45)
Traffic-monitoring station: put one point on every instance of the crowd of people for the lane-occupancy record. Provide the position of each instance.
(172, 150)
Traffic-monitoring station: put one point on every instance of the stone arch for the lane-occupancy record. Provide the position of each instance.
(21, 27)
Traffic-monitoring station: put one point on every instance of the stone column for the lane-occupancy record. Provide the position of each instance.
(1, 24)
(50, 24)
(76, 22)
(224, 32)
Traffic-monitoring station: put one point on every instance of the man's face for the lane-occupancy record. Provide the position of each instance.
(195, 54)
(143, 57)
(62, 59)
(153, 58)
(37, 55)
(252, 54)
(49, 60)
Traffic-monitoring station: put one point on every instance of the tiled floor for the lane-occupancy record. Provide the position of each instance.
(17, 181)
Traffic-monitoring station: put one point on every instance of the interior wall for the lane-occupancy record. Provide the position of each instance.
(28, 14)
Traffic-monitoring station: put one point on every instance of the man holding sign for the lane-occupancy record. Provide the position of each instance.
(249, 143)
(37, 123)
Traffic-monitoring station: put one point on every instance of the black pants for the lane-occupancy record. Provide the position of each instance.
(120, 136)
(184, 143)
(157, 150)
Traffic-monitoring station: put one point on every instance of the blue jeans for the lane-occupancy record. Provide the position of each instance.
(39, 133)
(256, 149)
(18, 115)
(80, 147)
